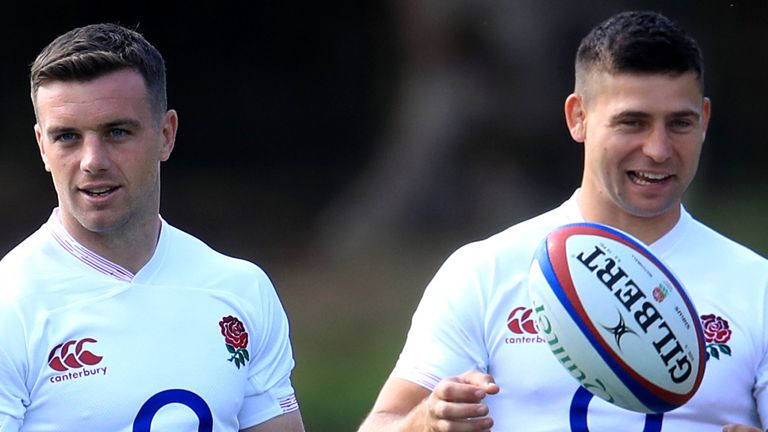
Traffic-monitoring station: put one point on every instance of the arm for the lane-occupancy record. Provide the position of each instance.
(288, 422)
(14, 397)
(740, 428)
(270, 390)
(454, 405)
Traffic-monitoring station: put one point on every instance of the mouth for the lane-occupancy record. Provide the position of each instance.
(648, 178)
(98, 191)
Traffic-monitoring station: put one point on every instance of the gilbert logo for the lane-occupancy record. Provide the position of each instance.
(73, 358)
(521, 322)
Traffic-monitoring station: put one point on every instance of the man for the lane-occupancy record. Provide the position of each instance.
(111, 319)
(639, 110)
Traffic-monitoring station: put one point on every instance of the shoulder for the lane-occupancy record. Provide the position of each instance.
(505, 256)
(187, 258)
(29, 260)
(192, 250)
(706, 260)
(721, 249)
(23, 276)
(35, 246)
(518, 242)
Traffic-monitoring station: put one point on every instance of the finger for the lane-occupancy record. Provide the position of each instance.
(739, 428)
(465, 425)
(482, 380)
(452, 391)
(456, 410)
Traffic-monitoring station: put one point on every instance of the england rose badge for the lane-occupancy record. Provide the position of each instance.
(717, 332)
(236, 339)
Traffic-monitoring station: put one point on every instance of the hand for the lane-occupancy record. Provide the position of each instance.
(456, 404)
(740, 428)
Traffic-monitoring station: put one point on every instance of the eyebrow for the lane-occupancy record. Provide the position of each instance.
(642, 114)
(58, 130)
(686, 113)
(129, 123)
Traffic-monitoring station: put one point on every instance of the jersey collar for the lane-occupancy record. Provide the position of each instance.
(83, 254)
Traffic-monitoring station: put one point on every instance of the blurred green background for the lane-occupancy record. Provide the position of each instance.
(349, 147)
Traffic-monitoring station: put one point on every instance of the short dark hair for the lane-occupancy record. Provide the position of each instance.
(89, 52)
(637, 42)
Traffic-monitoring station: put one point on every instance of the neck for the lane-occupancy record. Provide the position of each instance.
(130, 250)
(646, 228)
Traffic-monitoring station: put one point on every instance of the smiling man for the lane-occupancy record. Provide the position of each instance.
(639, 111)
(111, 319)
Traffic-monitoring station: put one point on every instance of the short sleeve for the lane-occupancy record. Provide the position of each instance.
(446, 335)
(14, 397)
(270, 391)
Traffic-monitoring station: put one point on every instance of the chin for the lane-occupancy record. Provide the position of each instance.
(651, 211)
(101, 225)
(646, 206)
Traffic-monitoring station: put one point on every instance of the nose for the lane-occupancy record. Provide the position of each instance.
(95, 156)
(658, 145)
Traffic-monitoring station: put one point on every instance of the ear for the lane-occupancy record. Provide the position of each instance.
(169, 127)
(576, 117)
(41, 147)
(706, 113)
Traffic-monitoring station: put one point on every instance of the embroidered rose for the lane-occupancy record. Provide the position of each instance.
(234, 332)
(236, 339)
(717, 332)
(716, 329)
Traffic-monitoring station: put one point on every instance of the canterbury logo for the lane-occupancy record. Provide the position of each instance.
(72, 355)
(520, 321)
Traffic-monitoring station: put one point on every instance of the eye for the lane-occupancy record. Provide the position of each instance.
(118, 133)
(630, 124)
(681, 125)
(66, 137)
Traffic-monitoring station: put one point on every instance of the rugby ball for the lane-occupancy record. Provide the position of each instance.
(616, 318)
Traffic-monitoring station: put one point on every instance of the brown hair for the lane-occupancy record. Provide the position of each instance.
(637, 42)
(89, 52)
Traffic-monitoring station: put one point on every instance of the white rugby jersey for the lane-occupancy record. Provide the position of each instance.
(476, 313)
(194, 341)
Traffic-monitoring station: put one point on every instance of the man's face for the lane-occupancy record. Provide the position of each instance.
(103, 148)
(642, 136)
